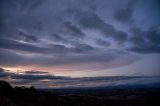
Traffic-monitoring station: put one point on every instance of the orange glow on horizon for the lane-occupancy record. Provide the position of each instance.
(14, 69)
(60, 71)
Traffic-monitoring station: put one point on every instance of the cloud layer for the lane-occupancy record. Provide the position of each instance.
(74, 33)
(45, 80)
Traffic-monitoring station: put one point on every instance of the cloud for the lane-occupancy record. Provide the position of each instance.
(46, 80)
(3, 73)
(9, 58)
(34, 77)
(137, 37)
(27, 47)
(67, 32)
(76, 35)
(146, 49)
(153, 35)
(27, 37)
(71, 30)
(35, 72)
(103, 42)
(15, 45)
(31, 5)
(80, 60)
(91, 20)
(145, 41)
(125, 14)
(13, 15)
(83, 48)
(58, 38)
(29, 75)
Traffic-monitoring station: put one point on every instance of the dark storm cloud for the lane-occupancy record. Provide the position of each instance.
(14, 12)
(146, 49)
(103, 42)
(27, 37)
(146, 41)
(124, 14)
(153, 35)
(137, 37)
(83, 48)
(21, 3)
(59, 49)
(77, 48)
(32, 4)
(59, 38)
(15, 45)
(93, 21)
(71, 30)
(2, 27)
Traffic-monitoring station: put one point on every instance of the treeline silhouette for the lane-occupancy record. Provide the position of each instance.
(22, 96)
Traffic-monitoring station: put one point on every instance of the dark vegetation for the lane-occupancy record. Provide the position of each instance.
(22, 96)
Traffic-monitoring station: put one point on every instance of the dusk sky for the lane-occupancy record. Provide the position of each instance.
(74, 43)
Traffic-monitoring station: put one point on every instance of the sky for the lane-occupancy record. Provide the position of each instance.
(66, 43)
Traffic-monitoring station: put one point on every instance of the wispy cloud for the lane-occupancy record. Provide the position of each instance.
(46, 80)
(74, 33)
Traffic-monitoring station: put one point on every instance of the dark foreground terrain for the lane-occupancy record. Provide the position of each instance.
(21, 96)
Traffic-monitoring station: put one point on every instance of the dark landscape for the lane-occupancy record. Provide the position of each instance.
(79, 52)
(22, 96)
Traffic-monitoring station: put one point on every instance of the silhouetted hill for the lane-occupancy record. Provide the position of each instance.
(22, 96)
(5, 86)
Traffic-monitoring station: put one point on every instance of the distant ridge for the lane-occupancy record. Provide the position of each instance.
(128, 96)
